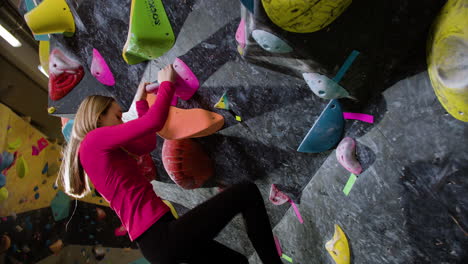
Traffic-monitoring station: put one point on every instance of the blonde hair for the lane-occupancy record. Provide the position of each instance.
(72, 176)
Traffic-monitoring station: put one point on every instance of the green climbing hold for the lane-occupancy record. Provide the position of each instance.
(21, 167)
(150, 33)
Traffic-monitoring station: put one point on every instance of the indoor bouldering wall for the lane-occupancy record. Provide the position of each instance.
(290, 75)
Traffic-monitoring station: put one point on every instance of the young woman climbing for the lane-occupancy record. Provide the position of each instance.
(100, 148)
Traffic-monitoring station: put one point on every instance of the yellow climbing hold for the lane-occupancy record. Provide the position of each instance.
(44, 51)
(304, 16)
(3, 194)
(173, 211)
(238, 118)
(447, 58)
(51, 110)
(22, 168)
(240, 50)
(338, 247)
(51, 16)
(14, 145)
(223, 102)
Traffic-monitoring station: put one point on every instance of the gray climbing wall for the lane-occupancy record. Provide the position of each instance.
(409, 204)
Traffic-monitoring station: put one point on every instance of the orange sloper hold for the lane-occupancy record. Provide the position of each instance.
(188, 123)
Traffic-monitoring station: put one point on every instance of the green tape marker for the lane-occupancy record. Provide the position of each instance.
(349, 184)
(287, 258)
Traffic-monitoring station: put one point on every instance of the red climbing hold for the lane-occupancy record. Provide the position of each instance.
(64, 74)
(186, 163)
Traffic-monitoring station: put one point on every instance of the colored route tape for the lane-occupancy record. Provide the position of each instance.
(287, 258)
(358, 116)
(346, 65)
(349, 184)
(278, 246)
(296, 211)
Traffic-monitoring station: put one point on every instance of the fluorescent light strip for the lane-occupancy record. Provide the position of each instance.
(9, 37)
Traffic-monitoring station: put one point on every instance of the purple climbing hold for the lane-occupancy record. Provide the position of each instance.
(100, 70)
(346, 155)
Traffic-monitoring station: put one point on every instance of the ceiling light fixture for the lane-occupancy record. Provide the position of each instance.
(9, 37)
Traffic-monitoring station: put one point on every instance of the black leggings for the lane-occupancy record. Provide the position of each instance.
(189, 239)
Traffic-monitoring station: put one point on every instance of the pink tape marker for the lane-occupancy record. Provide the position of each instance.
(240, 34)
(358, 116)
(296, 211)
(186, 83)
(278, 247)
(100, 70)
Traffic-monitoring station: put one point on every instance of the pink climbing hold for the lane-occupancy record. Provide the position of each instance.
(100, 70)
(186, 83)
(120, 231)
(35, 151)
(42, 143)
(240, 34)
(277, 197)
(346, 155)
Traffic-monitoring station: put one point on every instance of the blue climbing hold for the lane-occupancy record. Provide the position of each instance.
(60, 206)
(326, 131)
(2, 180)
(46, 168)
(270, 42)
(324, 87)
(36, 196)
(249, 4)
(67, 129)
(36, 188)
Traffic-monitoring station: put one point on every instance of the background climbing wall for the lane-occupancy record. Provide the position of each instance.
(278, 108)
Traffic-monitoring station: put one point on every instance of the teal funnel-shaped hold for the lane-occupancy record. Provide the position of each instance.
(249, 4)
(270, 42)
(324, 87)
(67, 130)
(326, 131)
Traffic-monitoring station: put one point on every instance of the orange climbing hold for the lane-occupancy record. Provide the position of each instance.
(57, 246)
(188, 123)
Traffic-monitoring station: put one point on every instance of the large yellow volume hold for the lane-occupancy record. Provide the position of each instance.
(447, 58)
(304, 16)
(51, 16)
